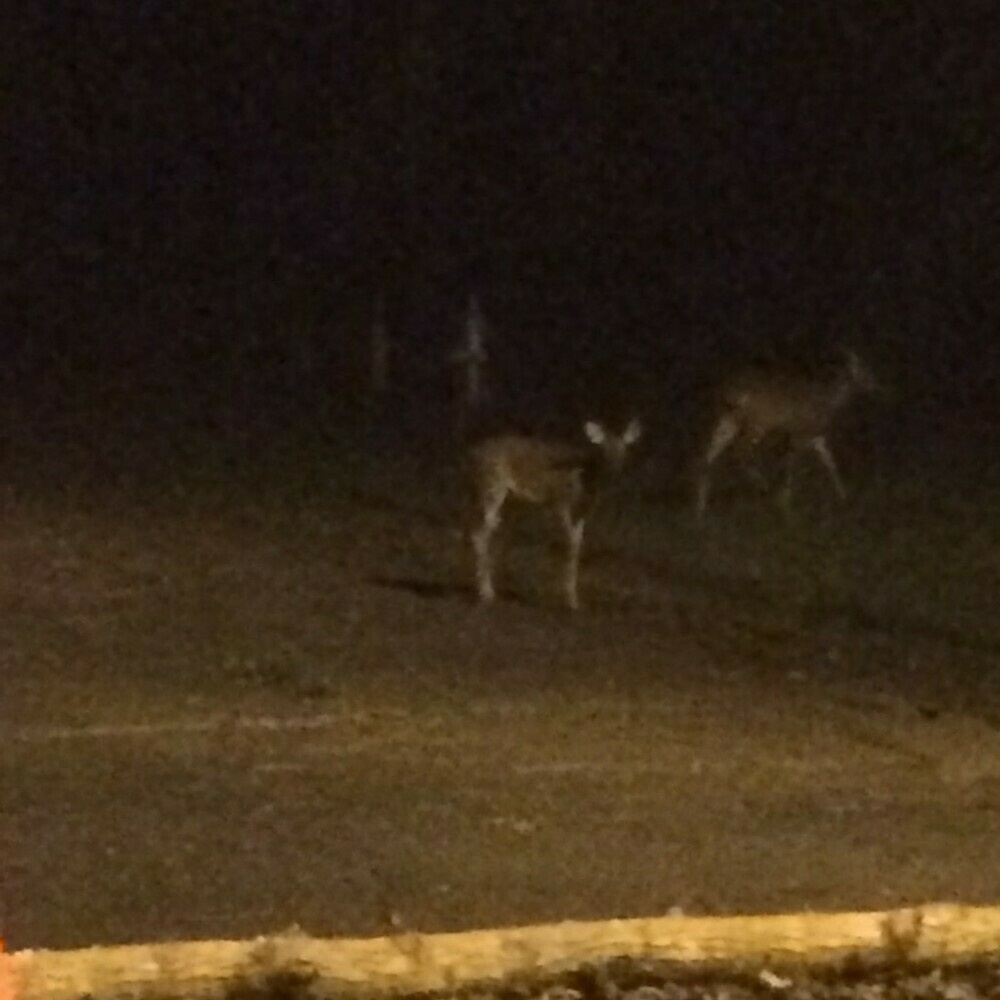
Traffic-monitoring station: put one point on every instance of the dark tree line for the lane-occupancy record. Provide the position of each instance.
(211, 196)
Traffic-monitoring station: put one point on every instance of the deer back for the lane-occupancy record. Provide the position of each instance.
(798, 405)
(534, 470)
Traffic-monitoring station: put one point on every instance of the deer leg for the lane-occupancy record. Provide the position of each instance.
(490, 506)
(822, 451)
(726, 431)
(785, 493)
(750, 464)
(574, 543)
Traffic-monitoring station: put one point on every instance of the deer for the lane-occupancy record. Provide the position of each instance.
(567, 478)
(758, 405)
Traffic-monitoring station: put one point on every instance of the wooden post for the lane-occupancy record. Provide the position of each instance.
(470, 359)
(381, 351)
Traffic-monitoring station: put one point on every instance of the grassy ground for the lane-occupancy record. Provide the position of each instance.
(251, 697)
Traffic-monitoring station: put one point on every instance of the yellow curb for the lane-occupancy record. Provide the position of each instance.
(412, 962)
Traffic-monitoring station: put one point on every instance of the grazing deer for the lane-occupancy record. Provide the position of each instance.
(564, 477)
(759, 404)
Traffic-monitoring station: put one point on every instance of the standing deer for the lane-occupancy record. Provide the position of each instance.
(759, 404)
(565, 478)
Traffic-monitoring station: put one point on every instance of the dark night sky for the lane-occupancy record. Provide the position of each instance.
(650, 184)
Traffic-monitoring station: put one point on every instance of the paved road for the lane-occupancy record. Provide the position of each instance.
(713, 794)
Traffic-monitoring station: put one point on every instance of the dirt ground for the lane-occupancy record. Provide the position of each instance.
(230, 710)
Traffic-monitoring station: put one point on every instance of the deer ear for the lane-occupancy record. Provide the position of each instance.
(633, 432)
(850, 357)
(858, 368)
(594, 431)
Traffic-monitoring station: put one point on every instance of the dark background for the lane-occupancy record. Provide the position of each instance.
(204, 199)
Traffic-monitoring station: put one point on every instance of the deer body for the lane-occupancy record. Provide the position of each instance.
(563, 477)
(757, 405)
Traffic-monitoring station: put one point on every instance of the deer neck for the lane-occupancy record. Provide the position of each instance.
(842, 391)
(600, 470)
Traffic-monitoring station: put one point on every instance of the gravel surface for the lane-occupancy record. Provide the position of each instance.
(629, 980)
